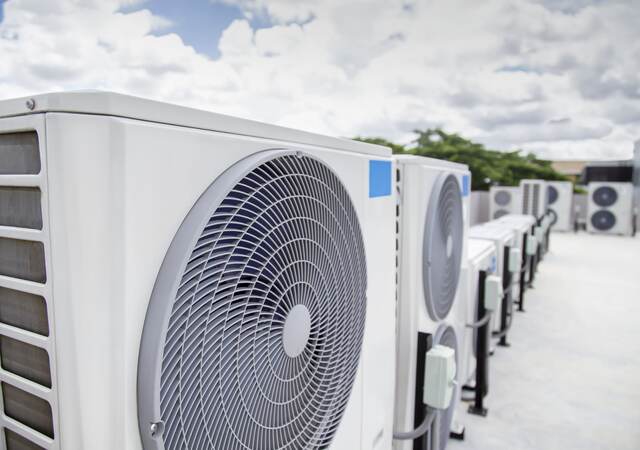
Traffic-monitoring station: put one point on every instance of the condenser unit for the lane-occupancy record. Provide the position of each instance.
(523, 226)
(560, 201)
(504, 200)
(610, 208)
(481, 257)
(433, 214)
(504, 240)
(534, 197)
(174, 279)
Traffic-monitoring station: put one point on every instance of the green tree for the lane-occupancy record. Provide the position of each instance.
(488, 167)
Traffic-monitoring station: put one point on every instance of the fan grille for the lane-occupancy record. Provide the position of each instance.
(605, 196)
(603, 220)
(265, 331)
(502, 198)
(552, 194)
(500, 213)
(446, 336)
(442, 246)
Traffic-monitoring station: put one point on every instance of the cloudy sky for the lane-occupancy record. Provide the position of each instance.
(557, 77)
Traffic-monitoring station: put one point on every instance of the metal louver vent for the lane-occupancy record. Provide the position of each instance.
(446, 335)
(552, 194)
(535, 201)
(27, 343)
(255, 326)
(502, 198)
(603, 220)
(605, 196)
(525, 198)
(442, 246)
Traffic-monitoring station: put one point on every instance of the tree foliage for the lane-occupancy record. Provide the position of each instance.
(488, 167)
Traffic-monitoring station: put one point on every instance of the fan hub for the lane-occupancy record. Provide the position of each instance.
(297, 328)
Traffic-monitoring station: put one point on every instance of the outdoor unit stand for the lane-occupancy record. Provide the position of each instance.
(433, 217)
(174, 279)
(481, 257)
(504, 200)
(524, 226)
(534, 197)
(504, 239)
(560, 199)
(610, 208)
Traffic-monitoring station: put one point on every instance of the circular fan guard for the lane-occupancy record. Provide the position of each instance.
(605, 196)
(552, 194)
(502, 198)
(499, 213)
(256, 332)
(442, 246)
(603, 220)
(446, 335)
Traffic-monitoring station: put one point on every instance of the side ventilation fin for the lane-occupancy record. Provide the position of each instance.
(26, 338)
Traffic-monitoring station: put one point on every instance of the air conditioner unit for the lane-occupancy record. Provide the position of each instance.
(504, 200)
(610, 208)
(175, 279)
(560, 201)
(481, 256)
(523, 226)
(504, 239)
(534, 197)
(433, 217)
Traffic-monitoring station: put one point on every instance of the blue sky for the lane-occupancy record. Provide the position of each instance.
(557, 77)
(199, 24)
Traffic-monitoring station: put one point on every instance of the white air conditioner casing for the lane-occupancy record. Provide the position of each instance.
(610, 208)
(481, 257)
(123, 181)
(534, 197)
(502, 237)
(523, 225)
(560, 203)
(515, 258)
(504, 200)
(429, 262)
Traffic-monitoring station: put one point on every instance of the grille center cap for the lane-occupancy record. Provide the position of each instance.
(297, 327)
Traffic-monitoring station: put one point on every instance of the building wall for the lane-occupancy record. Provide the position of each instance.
(572, 169)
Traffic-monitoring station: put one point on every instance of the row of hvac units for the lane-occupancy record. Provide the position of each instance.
(176, 279)
(610, 207)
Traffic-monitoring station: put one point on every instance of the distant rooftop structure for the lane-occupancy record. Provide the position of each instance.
(584, 172)
(617, 171)
(569, 168)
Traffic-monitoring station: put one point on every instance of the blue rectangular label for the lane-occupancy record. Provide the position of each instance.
(466, 181)
(379, 178)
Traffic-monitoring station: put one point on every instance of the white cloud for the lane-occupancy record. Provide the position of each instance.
(559, 79)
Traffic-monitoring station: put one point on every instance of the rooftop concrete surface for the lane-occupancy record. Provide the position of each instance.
(571, 378)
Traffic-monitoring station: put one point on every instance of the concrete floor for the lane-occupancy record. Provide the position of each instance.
(571, 378)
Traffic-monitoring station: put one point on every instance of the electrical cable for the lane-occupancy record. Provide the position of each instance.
(422, 428)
